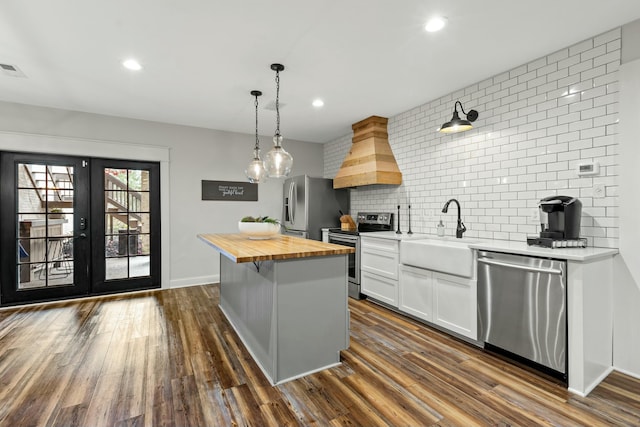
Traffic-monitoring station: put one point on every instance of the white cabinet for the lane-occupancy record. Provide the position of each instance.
(455, 304)
(442, 299)
(416, 292)
(379, 288)
(379, 259)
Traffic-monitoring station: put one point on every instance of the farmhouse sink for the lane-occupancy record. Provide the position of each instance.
(444, 254)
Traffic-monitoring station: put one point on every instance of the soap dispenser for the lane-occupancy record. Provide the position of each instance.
(440, 228)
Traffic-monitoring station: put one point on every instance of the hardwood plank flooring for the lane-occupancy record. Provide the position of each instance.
(170, 358)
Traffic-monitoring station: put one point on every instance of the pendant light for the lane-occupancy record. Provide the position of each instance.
(278, 162)
(456, 124)
(256, 171)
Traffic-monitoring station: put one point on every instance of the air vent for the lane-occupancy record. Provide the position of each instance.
(11, 70)
(272, 106)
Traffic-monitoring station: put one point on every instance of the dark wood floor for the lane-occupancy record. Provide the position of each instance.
(170, 358)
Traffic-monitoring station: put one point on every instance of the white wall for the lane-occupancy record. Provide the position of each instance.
(190, 155)
(626, 351)
(537, 122)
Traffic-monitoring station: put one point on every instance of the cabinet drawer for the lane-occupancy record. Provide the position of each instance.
(380, 244)
(375, 261)
(380, 288)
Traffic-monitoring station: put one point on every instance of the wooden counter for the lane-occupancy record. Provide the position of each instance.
(239, 248)
(286, 298)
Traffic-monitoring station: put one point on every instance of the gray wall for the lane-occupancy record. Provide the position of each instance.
(192, 154)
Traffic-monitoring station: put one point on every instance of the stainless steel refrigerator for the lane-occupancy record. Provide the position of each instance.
(311, 204)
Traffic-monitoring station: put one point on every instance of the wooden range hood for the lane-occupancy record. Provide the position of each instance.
(370, 159)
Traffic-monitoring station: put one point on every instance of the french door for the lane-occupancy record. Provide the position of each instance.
(73, 226)
(125, 233)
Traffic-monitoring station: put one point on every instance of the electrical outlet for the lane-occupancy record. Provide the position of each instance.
(599, 190)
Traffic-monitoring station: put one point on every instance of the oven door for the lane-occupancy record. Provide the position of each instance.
(354, 258)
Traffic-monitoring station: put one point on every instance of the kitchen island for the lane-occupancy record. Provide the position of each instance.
(286, 298)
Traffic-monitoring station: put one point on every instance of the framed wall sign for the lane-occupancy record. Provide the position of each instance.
(229, 190)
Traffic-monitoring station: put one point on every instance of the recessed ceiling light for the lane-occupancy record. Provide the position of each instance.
(317, 103)
(435, 24)
(132, 64)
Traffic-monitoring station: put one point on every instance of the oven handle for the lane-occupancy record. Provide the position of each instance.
(342, 239)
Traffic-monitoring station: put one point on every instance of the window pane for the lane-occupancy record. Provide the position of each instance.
(140, 266)
(139, 201)
(144, 245)
(116, 201)
(116, 268)
(140, 222)
(32, 176)
(29, 201)
(115, 179)
(138, 180)
(115, 222)
(28, 276)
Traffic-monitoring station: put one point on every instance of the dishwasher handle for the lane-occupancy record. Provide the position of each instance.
(520, 266)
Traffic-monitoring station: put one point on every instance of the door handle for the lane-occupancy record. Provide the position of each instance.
(81, 236)
(292, 202)
(520, 267)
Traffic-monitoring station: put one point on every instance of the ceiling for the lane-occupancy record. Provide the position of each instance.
(201, 58)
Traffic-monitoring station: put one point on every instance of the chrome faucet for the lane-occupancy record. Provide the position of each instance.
(460, 228)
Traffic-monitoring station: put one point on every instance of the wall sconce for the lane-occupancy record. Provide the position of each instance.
(456, 124)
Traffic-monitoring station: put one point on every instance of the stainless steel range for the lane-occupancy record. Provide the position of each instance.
(367, 222)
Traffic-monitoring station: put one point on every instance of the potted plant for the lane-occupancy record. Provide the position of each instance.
(259, 228)
(56, 213)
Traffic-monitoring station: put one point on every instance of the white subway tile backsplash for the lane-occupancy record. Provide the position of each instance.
(614, 34)
(614, 45)
(581, 47)
(537, 122)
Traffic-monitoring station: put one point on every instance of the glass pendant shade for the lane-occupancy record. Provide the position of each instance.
(255, 172)
(278, 162)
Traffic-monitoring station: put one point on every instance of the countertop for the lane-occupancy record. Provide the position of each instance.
(521, 248)
(391, 235)
(239, 248)
(513, 247)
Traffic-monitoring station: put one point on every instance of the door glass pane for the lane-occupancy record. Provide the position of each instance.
(144, 247)
(116, 268)
(45, 208)
(126, 196)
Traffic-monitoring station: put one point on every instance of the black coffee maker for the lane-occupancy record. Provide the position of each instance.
(560, 218)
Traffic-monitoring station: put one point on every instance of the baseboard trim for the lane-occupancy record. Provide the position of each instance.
(194, 281)
(629, 373)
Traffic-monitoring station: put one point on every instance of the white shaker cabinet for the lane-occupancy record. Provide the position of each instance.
(454, 304)
(379, 259)
(416, 292)
(443, 299)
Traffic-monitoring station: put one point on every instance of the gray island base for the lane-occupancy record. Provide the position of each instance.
(286, 298)
(291, 315)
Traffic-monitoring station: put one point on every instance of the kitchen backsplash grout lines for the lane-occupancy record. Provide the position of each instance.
(537, 122)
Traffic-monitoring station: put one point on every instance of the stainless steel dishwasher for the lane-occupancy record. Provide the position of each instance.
(522, 308)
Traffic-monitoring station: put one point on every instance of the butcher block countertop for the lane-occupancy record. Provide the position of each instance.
(239, 248)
